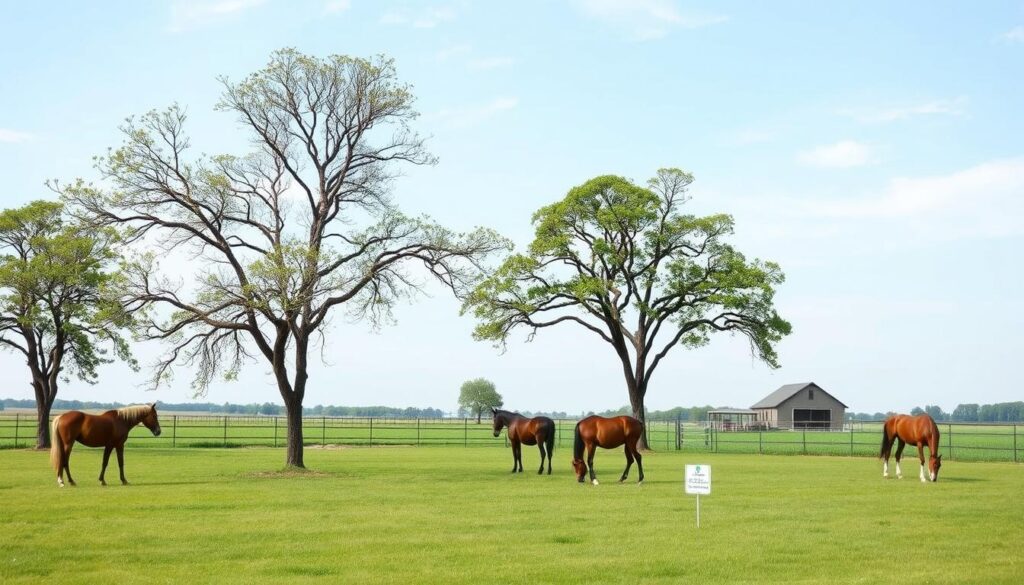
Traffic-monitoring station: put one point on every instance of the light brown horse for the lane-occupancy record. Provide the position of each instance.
(108, 430)
(539, 430)
(916, 430)
(609, 433)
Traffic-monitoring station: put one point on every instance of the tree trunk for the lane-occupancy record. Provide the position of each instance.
(293, 449)
(43, 424)
(44, 403)
(636, 401)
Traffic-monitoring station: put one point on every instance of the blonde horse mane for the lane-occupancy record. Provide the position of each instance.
(133, 414)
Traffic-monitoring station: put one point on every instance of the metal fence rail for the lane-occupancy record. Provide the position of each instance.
(959, 441)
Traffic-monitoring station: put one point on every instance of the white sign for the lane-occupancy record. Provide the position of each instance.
(698, 480)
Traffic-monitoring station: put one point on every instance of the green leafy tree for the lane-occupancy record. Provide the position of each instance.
(286, 237)
(622, 262)
(56, 308)
(965, 413)
(479, 395)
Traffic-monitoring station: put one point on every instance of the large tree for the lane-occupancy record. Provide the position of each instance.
(622, 262)
(478, 395)
(55, 309)
(284, 236)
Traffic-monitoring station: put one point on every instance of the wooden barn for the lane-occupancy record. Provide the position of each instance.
(801, 406)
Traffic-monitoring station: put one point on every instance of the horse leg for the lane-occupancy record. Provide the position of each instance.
(639, 464)
(899, 455)
(540, 445)
(920, 458)
(590, 462)
(120, 462)
(106, 458)
(886, 451)
(66, 460)
(629, 463)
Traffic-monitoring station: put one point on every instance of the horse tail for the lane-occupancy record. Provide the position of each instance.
(885, 439)
(577, 443)
(56, 445)
(551, 437)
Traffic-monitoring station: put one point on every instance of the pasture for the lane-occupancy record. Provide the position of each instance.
(455, 515)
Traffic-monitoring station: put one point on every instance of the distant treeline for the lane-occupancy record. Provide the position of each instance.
(999, 412)
(692, 413)
(267, 408)
(695, 413)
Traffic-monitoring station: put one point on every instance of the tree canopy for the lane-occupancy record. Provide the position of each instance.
(479, 395)
(57, 302)
(622, 262)
(285, 235)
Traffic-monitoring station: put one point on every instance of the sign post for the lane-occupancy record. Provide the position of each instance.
(697, 481)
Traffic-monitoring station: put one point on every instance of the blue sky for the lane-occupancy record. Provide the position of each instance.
(875, 150)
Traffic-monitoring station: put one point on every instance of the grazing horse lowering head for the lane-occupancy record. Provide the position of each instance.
(934, 463)
(580, 468)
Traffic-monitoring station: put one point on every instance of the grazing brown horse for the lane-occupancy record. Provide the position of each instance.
(609, 433)
(916, 430)
(538, 431)
(108, 430)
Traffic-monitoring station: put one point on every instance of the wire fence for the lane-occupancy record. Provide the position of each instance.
(959, 441)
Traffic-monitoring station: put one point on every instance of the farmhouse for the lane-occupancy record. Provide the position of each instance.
(801, 406)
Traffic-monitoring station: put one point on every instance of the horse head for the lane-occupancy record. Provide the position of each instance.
(151, 421)
(498, 422)
(934, 463)
(580, 468)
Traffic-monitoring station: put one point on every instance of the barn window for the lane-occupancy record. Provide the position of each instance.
(810, 393)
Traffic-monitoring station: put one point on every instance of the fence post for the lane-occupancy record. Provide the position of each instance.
(465, 432)
(805, 441)
(225, 431)
(323, 430)
(851, 439)
(678, 438)
(16, 421)
(417, 431)
(371, 431)
(760, 442)
(174, 431)
(1014, 443)
(949, 444)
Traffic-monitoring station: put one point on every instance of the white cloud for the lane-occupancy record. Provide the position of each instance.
(14, 136)
(424, 18)
(337, 6)
(947, 107)
(986, 199)
(751, 136)
(490, 63)
(843, 154)
(190, 14)
(472, 115)
(645, 20)
(982, 201)
(1014, 35)
(452, 51)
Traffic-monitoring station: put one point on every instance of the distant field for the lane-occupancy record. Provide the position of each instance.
(959, 441)
(443, 515)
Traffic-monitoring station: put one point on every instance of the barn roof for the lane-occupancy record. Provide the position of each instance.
(786, 392)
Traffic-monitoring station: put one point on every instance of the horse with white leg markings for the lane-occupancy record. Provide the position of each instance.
(917, 430)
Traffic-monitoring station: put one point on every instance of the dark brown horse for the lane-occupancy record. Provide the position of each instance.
(917, 430)
(538, 431)
(108, 430)
(609, 433)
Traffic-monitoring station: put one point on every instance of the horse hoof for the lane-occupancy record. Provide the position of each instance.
(594, 481)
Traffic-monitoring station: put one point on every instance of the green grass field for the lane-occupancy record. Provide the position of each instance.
(455, 515)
